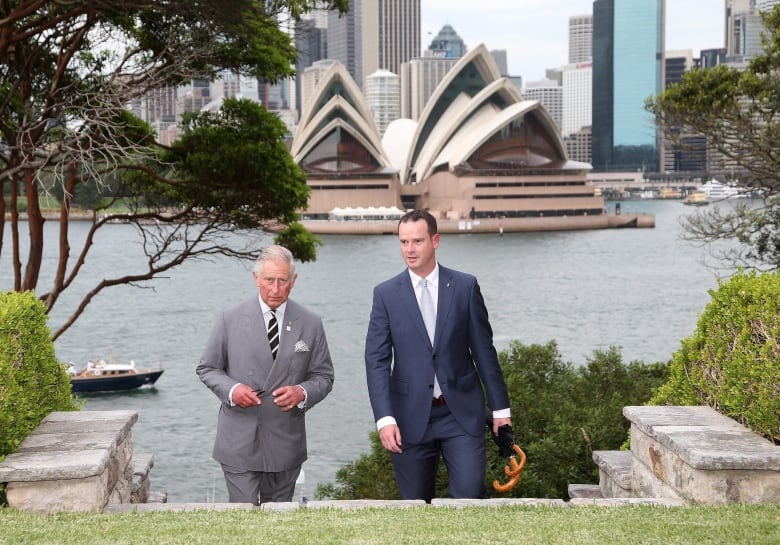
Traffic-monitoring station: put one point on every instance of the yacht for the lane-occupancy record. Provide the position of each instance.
(717, 191)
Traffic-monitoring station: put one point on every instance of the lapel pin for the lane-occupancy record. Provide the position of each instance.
(289, 327)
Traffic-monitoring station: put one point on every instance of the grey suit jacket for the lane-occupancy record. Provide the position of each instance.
(263, 438)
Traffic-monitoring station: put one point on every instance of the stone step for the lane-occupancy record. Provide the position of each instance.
(614, 473)
(588, 491)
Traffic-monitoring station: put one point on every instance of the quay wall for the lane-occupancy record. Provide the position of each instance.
(487, 225)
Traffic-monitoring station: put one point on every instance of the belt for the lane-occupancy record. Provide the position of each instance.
(438, 401)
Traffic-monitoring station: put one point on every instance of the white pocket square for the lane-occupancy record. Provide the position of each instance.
(301, 346)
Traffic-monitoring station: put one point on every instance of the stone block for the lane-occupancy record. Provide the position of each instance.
(363, 504)
(647, 485)
(53, 464)
(46, 497)
(709, 459)
(614, 473)
(584, 491)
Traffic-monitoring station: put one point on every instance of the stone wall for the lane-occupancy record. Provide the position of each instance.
(693, 454)
(77, 461)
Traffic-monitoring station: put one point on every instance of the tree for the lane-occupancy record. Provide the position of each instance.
(67, 72)
(738, 111)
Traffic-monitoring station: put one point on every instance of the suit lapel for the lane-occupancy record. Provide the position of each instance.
(408, 300)
(446, 294)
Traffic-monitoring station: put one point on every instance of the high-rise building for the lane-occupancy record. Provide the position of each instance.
(628, 66)
(499, 55)
(374, 35)
(310, 78)
(343, 36)
(383, 95)
(419, 79)
(447, 44)
(311, 47)
(690, 155)
(580, 38)
(549, 94)
(577, 98)
(743, 29)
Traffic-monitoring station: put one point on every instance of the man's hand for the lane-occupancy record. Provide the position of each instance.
(498, 422)
(244, 396)
(288, 397)
(390, 436)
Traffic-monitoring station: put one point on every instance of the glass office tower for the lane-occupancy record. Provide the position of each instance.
(628, 59)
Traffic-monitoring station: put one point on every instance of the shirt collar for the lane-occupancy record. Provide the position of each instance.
(433, 278)
(266, 309)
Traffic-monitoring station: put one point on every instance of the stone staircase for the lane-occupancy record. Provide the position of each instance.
(694, 455)
(83, 461)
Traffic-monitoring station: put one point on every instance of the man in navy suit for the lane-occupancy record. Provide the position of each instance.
(427, 394)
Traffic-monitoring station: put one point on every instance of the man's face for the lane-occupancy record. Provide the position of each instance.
(274, 282)
(418, 247)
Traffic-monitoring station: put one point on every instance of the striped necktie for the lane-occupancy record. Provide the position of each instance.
(273, 333)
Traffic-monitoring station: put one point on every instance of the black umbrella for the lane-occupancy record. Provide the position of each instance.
(509, 449)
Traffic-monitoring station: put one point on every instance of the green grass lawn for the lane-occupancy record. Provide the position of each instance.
(511, 525)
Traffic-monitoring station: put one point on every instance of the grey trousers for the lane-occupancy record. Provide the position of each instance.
(258, 487)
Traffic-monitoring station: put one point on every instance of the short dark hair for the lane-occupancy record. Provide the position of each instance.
(416, 215)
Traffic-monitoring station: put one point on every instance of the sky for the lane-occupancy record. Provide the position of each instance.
(535, 33)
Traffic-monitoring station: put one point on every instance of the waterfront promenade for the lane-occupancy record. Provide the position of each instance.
(487, 225)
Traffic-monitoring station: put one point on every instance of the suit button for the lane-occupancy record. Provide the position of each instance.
(435, 356)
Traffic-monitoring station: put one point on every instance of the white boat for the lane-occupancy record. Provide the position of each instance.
(718, 191)
(101, 376)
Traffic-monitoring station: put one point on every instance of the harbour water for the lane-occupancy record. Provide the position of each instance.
(640, 290)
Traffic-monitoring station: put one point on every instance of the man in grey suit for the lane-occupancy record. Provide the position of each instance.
(426, 377)
(268, 362)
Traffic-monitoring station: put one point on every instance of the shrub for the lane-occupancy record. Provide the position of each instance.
(559, 413)
(732, 361)
(32, 382)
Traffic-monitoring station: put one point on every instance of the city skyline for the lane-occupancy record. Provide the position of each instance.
(542, 26)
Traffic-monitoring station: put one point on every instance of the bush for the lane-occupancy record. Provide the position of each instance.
(32, 382)
(732, 361)
(560, 414)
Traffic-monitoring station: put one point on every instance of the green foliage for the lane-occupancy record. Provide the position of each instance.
(32, 382)
(235, 160)
(732, 361)
(299, 241)
(560, 414)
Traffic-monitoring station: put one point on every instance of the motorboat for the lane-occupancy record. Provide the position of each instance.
(101, 376)
(718, 191)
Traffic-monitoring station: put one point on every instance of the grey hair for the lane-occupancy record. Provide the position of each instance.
(274, 253)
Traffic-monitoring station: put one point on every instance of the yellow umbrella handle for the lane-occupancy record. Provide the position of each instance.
(513, 472)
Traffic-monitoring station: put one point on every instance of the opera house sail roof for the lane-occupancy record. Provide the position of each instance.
(478, 151)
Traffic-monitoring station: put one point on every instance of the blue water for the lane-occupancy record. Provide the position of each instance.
(638, 289)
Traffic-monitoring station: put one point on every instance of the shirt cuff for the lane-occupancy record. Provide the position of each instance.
(230, 395)
(503, 413)
(302, 404)
(385, 421)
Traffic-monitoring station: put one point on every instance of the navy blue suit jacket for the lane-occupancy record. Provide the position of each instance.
(400, 361)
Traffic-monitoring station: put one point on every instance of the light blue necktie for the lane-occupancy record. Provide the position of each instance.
(429, 317)
(427, 310)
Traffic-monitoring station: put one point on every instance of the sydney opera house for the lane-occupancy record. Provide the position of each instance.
(480, 157)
